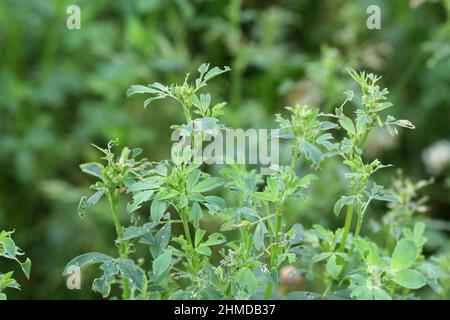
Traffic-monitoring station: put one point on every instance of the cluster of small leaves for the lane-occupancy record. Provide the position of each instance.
(9, 250)
(308, 132)
(114, 176)
(186, 93)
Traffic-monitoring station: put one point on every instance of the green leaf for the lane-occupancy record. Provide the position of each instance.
(215, 239)
(196, 213)
(150, 100)
(161, 170)
(9, 246)
(160, 241)
(162, 263)
(247, 279)
(153, 182)
(207, 184)
(312, 153)
(348, 125)
(157, 209)
(296, 234)
(92, 168)
(216, 201)
(332, 268)
(369, 251)
(273, 186)
(258, 236)
(135, 274)
(409, 278)
(204, 250)
(159, 87)
(362, 293)
(215, 72)
(102, 285)
(321, 256)
(199, 236)
(26, 267)
(139, 198)
(183, 200)
(136, 232)
(405, 124)
(343, 201)
(192, 179)
(405, 253)
(82, 207)
(265, 196)
(95, 197)
(203, 68)
(387, 197)
(86, 259)
(217, 109)
(205, 101)
(383, 106)
(324, 233)
(86, 203)
(380, 294)
(137, 88)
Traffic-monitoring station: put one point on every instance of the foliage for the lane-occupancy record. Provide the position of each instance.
(62, 89)
(178, 191)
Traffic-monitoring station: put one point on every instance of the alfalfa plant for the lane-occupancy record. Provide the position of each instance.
(161, 204)
(9, 250)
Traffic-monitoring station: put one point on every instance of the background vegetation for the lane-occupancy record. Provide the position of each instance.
(61, 90)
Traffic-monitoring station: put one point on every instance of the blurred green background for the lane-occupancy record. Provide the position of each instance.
(61, 90)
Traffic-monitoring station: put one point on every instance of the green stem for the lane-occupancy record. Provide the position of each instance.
(347, 226)
(274, 254)
(324, 294)
(268, 291)
(186, 230)
(187, 114)
(276, 239)
(349, 214)
(356, 235)
(113, 199)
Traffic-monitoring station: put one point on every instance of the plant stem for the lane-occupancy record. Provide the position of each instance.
(357, 232)
(350, 251)
(347, 226)
(324, 294)
(277, 233)
(274, 254)
(268, 291)
(113, 199)
(279, 221)
(186, 230)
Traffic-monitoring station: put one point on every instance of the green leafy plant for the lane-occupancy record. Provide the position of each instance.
(185, 259)
(9, 250)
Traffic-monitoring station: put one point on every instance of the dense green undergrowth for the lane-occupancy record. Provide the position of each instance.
(164, 251)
